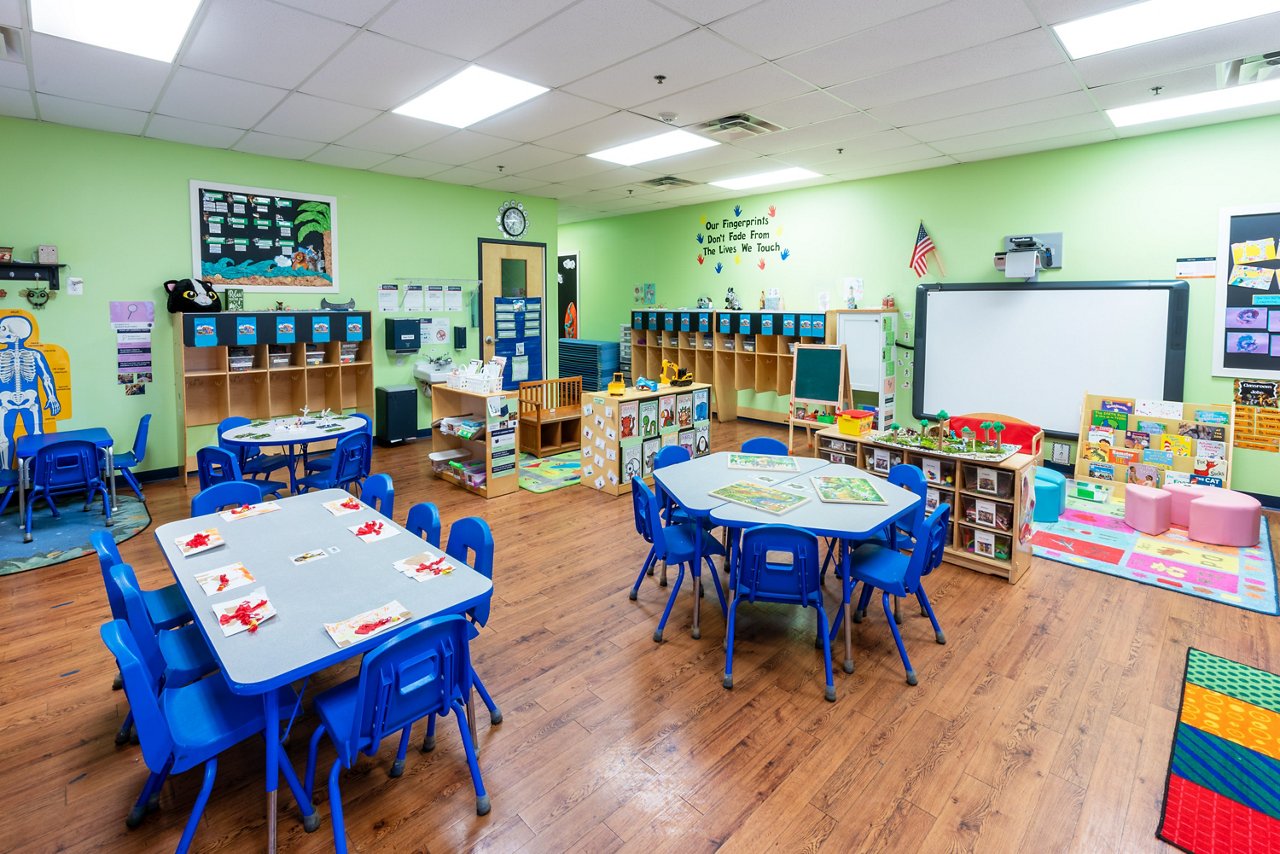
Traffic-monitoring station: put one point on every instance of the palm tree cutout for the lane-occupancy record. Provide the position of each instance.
(314, 218)
(985, 426)
(895, 427)
(924, 427)
(998, 428)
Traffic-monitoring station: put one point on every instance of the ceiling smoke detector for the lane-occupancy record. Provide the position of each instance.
(668, 181)
(737, 126)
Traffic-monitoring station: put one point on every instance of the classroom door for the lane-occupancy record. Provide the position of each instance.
(512, 307)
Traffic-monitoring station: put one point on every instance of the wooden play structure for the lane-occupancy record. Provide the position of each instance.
(551, 416)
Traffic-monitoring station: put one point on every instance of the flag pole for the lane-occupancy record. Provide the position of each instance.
(942, 268)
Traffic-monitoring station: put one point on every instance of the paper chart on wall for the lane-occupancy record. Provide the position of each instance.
(132, 322)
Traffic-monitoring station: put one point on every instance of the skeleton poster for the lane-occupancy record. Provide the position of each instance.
(35, 381)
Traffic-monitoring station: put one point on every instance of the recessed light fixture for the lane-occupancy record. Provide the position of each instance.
(150, 28)
(765, 179)
(1152, 20)
(657, 147)
(472, 94)
(1189, 105)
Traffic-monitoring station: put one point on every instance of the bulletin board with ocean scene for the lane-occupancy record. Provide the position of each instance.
(1247, 315)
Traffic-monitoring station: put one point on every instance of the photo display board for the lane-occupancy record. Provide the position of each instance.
(1247, 317)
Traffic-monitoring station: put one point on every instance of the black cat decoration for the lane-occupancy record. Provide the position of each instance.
(192, 295)
(325, 305)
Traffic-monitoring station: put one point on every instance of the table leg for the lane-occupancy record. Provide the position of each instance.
(110, 454)
(697, 583)
(292, 453)
(22, 500)
(846, 588)
(271, 710)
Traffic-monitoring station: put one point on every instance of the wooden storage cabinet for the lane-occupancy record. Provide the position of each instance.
(490, 460)
(217, 376)
(990, 502)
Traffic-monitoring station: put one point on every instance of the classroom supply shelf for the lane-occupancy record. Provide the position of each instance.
(266, 365)
(480, 459)
(990, 502)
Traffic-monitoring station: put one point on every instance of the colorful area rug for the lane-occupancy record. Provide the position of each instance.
(1222, 795)
(1094, 536)
(67, 537)
(548, 473)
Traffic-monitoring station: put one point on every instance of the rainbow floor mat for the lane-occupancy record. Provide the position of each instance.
(1094, 536)
(1222, 795)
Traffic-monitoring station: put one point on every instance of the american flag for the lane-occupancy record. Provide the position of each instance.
(924, 245)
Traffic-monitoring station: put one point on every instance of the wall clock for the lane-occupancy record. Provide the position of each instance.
(512, 219)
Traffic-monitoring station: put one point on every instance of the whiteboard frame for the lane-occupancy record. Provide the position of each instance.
(1175, 333)
(1225, 215)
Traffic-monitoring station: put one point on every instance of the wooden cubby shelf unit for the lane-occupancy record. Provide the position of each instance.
(500, 464)
(217, 377)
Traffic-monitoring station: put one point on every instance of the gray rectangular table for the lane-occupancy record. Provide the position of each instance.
(293, 644)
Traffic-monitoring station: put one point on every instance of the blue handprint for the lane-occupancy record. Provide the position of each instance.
(719, 266)
(737, 210)
(699, 237)
(786, 253)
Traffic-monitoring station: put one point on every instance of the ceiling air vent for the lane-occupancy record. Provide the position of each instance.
(10, 44)
(1251, 69)
(737, 126)
(668, 181)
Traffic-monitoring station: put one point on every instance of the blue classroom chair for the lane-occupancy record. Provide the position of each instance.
(424, 522)
(379, 493)
(67, 468)
(166, 606)
(471, 542)
(184, 727)
(126, 462)
(352, 458)
(422, 671)
(179, 655)
(793, 582)
(765, 445)
(252, 461)
(324, 462)
(230, 493)
(216, 465)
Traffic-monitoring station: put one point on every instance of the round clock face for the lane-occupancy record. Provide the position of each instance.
(513, 221)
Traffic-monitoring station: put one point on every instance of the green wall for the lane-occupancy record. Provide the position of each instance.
(1127, 209)
(118, 209)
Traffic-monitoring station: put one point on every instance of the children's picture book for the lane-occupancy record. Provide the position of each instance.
(1210, 467)
(1125, 406)
(758, 496)
(1159, 459)
(646, 458)
(1211, 450)
(985, 512)
(1213, 416)
(669, 438)
(987, 481)
(686, 440)
(666, 411)
(1177, 477)
(932, 470)
(702, 404)
(224, 578)
(1101, 435)
(1100, 471)
(648, 418)
(1114, 420)
(424, 566)
(355, 629)
(1158, 408)
(1144, 475)
(932, 498)
(880, 461)
(846, 490)
(200, 541)
(1180, 445)
(244, 614)
(1152, 428)
(1096, 453)
(1137, 439)
(702, 440)
(631, 461)
(684, 410)
(628, 415)
(1196, 430)
(343, 506)
(1096, 492)
(244, 511)
(1124, 457)
(763, 462)
(1206, 480)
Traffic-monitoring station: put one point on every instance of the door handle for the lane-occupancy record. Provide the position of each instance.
(488, 339)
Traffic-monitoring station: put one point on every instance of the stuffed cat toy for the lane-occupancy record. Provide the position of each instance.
(192, 295)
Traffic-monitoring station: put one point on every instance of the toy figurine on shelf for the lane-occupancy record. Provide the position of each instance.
(762, 300)
(647, 385)
(618, 386)
(673, 374)
(968, 434)
(704, 302)
(731, 301)
(888, 303)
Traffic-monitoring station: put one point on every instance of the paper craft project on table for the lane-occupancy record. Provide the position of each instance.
(244, 614)
(224, 578)
(343, 506)
(847, 490)
(423, 566)
(373, 530)
(762, 462)
(757, 496)
(200, 541)
(355, 629)
(245, 511)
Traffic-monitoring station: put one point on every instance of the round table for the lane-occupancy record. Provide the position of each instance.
(292, 432)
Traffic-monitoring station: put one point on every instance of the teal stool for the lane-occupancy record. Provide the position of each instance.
(1051, 495)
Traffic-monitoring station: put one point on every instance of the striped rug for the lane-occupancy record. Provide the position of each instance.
(1223, 790)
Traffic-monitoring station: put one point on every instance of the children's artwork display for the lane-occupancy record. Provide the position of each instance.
(1247, 308)
(1257, 415)
(758, 496)
(847, 490)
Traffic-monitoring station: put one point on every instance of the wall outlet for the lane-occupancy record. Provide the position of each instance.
(1061, 453)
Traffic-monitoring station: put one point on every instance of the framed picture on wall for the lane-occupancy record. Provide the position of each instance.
(1246, 318)
(262, 240)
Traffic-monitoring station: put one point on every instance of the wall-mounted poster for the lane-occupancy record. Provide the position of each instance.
(267, 241)
(567, 293)
(1246, 341)
(38, 385)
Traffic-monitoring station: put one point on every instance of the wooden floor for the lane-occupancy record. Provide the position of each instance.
(1043, 724)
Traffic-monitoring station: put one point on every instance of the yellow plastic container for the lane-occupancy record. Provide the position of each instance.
(855, 422)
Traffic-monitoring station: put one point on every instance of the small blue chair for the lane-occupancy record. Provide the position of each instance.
(166, 606)
(9, 482)
(352, 458)
(324, 462)
(67, 468)
(670, 455)
(765, 445)
(184, 727)
(471, 542)
(794, 582)
(1050, 495)
(422, 671)
(379, 493)
(896, 574)
(424, 522)
(676, 543)
(231, 493)
(125, 463)
(253, 462)
(179, 655)
(216, 465)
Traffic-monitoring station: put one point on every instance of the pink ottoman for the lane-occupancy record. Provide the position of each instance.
(1225, 518)
(1147, 509)
(1182, 497)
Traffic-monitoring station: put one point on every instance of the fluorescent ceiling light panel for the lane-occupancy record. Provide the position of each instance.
(1158, 109)
(150, 28)
(765, 179)
(1152, 20)
(657, 147)
(472, 94)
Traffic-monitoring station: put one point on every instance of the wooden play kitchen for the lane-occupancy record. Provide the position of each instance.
(473, 439)
(621, 434)
(990, 501)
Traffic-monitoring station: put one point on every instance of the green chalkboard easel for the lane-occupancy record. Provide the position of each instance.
(818, 378)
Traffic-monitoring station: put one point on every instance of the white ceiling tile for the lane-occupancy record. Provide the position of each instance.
(1006, 57)
(262, 42)
(308, 117)
(557, 191)
(886, 140)
(375, 71)
(850, 163)
(513, 184)
(816, 106)
(776, 28)
(82, 114)
(706, 11)
(612, 179)
(719, 155)
(13, 75)
(565, 170)
(461, 147)
(89, 73)
(11, 14)
(407, 167)
(600, 134)
(629, 205)
(942, 29)
(596, 198)
(466, 30)
(1029, 86)
(352, 158)
(734, 170)
(1190, 81)
(567, 215)
(585, 38)
(277, 146)
(549, 113)
(519, 159)
(728, 95)
(1068, 126)
(201, 96)
(836, 130)
(193, 133)
(896, 168)
(17, 102)
(463, 175)
(1058, 11)
(354, 12)
(392, 133)
(690, 60)
(1055, 107)
(1038, 145)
